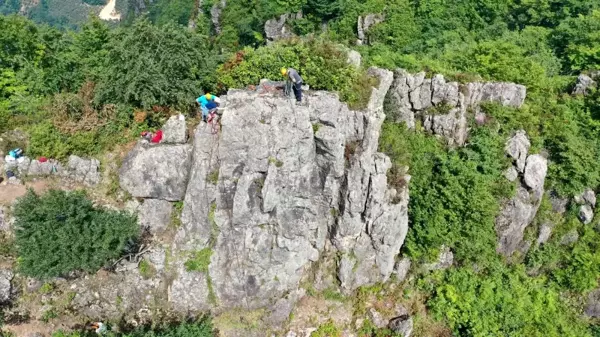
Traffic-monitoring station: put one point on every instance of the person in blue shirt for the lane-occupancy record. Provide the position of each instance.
(207, 102)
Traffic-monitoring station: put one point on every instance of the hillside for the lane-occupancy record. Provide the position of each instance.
(438, 178)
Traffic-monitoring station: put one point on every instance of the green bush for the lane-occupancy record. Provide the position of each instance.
(503, 301)
(200, 328)
(321, 64)
(60, 232)
(453, 194)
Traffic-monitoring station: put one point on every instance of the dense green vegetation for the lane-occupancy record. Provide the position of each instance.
(201, 328)
(60, 232)
(78, 91)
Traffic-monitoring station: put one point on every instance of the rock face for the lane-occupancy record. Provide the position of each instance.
(442, 106)
(519, 212)
(583, 85)
(366, 22)
(155, 215)
(270, 192)
(80, 170)
(157, 172)
(6, 277)
(175, 130)
(277, 29)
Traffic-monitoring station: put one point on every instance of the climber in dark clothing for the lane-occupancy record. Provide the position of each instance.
(296, 80)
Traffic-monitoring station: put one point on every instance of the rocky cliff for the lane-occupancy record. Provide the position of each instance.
(277, 189)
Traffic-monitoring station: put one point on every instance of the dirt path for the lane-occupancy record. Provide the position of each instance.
(109, 13)
(9, 193)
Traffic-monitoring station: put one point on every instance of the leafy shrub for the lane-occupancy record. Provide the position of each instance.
(200, 328)
(60, 232)
(453, 193)
(322, 65)
(503, 301)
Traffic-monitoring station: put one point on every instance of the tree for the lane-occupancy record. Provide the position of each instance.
(152, 65)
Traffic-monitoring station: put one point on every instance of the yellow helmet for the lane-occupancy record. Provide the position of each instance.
(208, 96)
(283, 71)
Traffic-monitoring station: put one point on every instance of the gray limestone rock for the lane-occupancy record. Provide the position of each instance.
(545, 233)
(4, 225)
(445, 260)
(402, 325)
(519, 212)
(366, 22)
(402, 268)
(514, 217)
(559, 205)
(354, 58)
(84, 171)
(570, 238)
(443, 106)
(175, 130)
(215, 14)
(267, 192)
(155, 215)
(189, 291)
(517, 148)
(587, 197)
(583, 85)
(586, 214)
(37, 168)
(376, 318)
(535, 172)
(277, 29)
(158, 172)
(6, 277)
(511, 174)
(592, 308)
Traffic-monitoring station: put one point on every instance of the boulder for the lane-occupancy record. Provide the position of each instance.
(6, 276)
(277, 29)
(366, 22)
(84, 171)
(402, 325)
(376, 318)
(175, 130)
(155, 215)
(402, 268)
(517, 148)
(587, 197)
(535, 172)
(586, 214)
(545, 233)
(354, 58)
(157, 172)
(511, 174)
(583, 85)
(592, 308)
(570, 238)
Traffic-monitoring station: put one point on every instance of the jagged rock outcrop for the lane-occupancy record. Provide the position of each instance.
(585, 83)
(156, 171)
(519, 212)
(6, 277)
(80, 170)
(175, 130)
(215, 14)
(366, 22)
(266, 193)
(592, 308)
(443, 106)
(587, 200)
(277, 29)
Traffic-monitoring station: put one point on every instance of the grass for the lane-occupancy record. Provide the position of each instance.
(276, 162)
(213, 177)
(176, 214)
(199, 261)
(147, 270)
